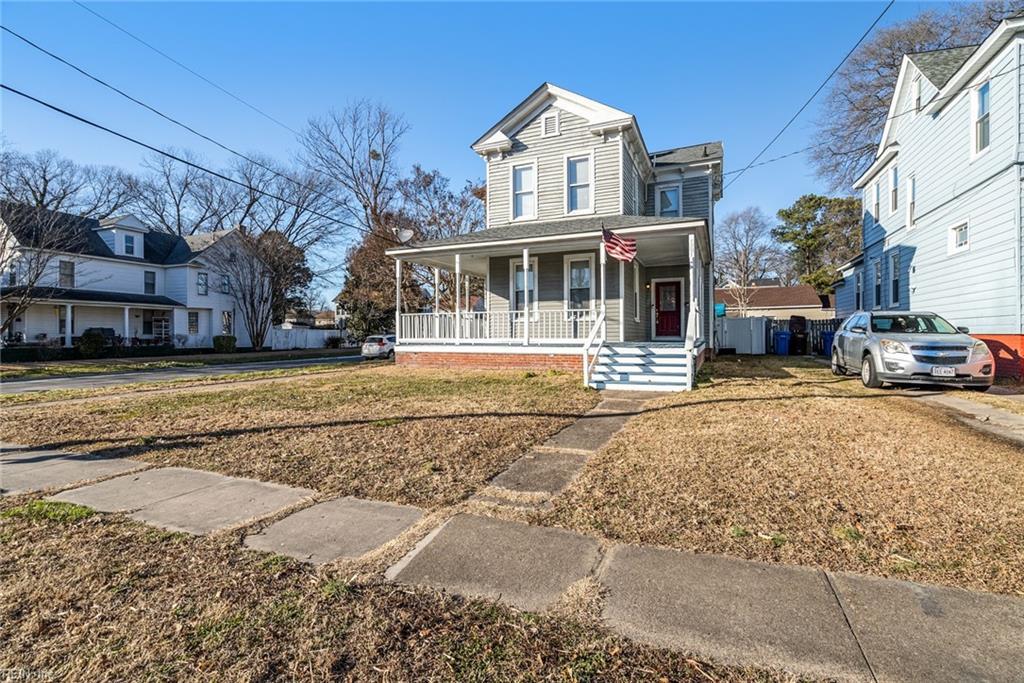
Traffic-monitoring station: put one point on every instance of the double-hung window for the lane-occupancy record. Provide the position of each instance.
(667, 200)
(877, 303)
(227, 322)
(911, 202)
(149, 281)
(147, 322)
(894, 279)
(579, 282)
(578, 184)
(894, 189)
(519, 283)
(859, 291)
(203, 284)
(225, 284)
(981, 118)
(524, 191)
(193, 322)
(66, 277)
(129, 245)
(876, 209)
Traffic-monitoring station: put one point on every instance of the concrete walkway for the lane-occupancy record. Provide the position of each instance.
(981, 416)
(116, 379)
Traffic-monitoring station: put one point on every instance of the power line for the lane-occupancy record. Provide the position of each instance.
(167, 117)
(180, 160)
(813, 95)
(185, 67)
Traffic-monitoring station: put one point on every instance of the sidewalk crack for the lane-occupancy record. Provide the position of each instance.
(849, 624)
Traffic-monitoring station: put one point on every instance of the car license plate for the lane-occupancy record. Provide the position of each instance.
(943, 371)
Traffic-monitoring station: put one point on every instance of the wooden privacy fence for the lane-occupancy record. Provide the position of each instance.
(815, 333)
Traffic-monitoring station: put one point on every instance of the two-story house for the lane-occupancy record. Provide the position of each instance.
(561, 169)
(148, 286)
(943, 197)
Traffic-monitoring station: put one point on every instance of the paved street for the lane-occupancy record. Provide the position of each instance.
(99, 381)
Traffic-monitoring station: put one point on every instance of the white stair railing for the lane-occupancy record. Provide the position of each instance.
(597, 329)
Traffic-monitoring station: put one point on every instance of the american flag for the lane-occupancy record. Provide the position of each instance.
(621, 248)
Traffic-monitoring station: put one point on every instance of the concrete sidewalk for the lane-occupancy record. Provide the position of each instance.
(981, 416)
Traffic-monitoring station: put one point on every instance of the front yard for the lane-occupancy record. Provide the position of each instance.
(777, 460)
(426, 438)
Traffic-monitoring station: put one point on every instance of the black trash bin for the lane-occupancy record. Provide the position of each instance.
(798, 344)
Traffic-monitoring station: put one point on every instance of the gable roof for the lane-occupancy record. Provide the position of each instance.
(81, 235)
(938, 66)
(775, 297)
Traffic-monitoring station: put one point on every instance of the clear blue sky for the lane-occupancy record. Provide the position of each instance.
(690, 72)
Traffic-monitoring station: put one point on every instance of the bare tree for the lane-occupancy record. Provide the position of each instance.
(32, 240)
(744, 252)
(183, 200)
(857, 105)
(242, 260)
(49, 181)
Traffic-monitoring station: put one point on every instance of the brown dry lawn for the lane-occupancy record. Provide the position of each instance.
(428, 438)
(91, 597)
(777, 460)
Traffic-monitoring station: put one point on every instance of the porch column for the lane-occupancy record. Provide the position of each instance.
(526, 295)
(437, 301)
(604, 289)
(692, 249)
(67, 325)
(458, 303)
(398, 296)
(127, 328)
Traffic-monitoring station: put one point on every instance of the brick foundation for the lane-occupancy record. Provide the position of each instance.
(490, 361)
(1008, 350)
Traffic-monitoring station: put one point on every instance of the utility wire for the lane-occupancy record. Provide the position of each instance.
(813, 95)
(180, 160)
(185, 67)
(166, 117)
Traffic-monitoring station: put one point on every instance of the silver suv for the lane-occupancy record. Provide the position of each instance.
(906, 347)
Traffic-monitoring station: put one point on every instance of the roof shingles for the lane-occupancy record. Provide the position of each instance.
(938, 66)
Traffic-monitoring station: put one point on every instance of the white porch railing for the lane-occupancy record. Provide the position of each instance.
(497, 326)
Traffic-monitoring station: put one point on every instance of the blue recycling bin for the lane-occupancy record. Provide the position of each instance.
(782, 342)
(826, 342)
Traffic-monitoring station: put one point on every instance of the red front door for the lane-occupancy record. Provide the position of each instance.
(667, 318)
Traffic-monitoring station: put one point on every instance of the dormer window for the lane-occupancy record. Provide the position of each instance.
(129, 245)
(550, 125)
(666, 200)
(578, 174)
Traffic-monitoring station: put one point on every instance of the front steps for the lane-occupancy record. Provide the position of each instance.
(643, 367)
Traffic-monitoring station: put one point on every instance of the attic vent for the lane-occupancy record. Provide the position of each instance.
(549, 124)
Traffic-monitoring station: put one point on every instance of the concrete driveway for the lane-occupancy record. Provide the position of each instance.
(163, 375)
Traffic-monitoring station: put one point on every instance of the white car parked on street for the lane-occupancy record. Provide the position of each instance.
(379, 346)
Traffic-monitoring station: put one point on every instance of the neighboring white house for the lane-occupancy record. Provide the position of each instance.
(943, 200)
(561, 167)
(148, 286)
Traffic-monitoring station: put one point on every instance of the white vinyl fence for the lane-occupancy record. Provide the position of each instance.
(300, 338)
(745, 335)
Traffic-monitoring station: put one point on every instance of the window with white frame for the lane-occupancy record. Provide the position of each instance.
(916, 93)
(911, 201)
(193, 322)
(227, 322)
(981, 117)
(202, 284)
(667, 200)
(636, 292)
(578, 275)
(129, 245)
(147, 322)
(859, 291)
(518, 284)
(524, 191)
(959, 238)
(550, 125)
(877, 302)
(578, 185)
(66, 274)
(894, 279)
(149, 281)
(876, 209)
(894, 189)
(225, 284)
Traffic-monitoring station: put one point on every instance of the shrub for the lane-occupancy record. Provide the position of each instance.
(91, 344)
(224, 343)
(332, 343)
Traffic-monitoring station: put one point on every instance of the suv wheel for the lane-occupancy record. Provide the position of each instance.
(867, 373)
(391, 354)
(837, 369)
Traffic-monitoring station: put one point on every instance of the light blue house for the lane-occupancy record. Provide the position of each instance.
(943, 198)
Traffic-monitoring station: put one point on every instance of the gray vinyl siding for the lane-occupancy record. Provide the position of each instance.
(980, 287)
(696, 198)
(551, 285)
(634, 329)
(631, 201)
(549, 153)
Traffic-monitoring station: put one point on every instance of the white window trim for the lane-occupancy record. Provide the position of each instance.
(916, 96)
(566, 260)
(877, 284)
(558, 124)
(201, 275)
(894, 276)
(911, 218)
(565, 182)
(132, 238)
(858, 281)
(512, 190)
(60, 275)
(636, 292)
(144, 283)
(876, 203)
(657, 197)
(975, 152)
(951, 247)
(894, 189)
(512, 284)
